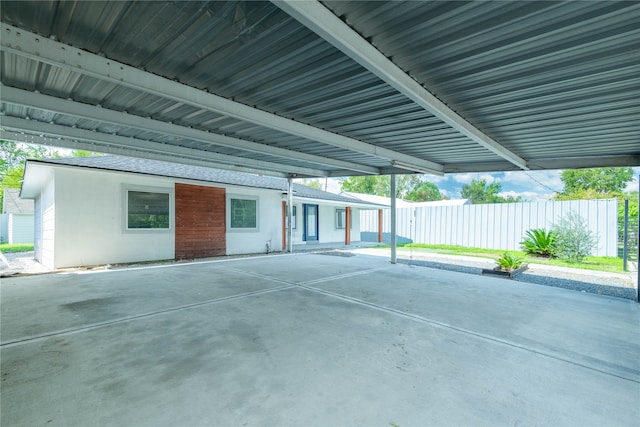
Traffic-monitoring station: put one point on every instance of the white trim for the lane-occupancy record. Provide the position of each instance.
(115, 144)
(228, 213)
(126, 188)
(29, 99)
(335, 217)
(294, 217)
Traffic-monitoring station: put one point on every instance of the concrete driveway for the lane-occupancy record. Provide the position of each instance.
(316, 340)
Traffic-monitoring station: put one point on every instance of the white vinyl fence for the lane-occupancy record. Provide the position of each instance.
(4, 228)
(494, 226)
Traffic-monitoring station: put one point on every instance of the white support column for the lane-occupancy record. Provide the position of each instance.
(290, 214)
(393, 218)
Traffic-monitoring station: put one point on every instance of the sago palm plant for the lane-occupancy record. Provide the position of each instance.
(540, 242)
(508, 262)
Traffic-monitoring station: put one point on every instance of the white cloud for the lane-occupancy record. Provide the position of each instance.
(449, 194)
(333, 185)
(633, 185)
(466, 178)
(435, 179)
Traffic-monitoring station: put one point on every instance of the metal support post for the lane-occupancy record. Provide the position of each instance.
(290, 215)
(393, 218)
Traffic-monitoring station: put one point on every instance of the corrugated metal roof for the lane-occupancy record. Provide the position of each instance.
(550, 79)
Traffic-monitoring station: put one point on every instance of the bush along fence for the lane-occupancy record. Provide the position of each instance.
(496, 226)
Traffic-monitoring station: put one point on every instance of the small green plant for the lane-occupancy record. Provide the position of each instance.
(540, 242)
(508, 262)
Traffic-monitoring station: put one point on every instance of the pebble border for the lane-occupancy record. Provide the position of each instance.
(557, 282)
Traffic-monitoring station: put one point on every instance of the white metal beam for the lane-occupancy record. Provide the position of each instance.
(323, 22)
(101, 147)
(28, 99)
(115, 144)
(39, 101)
(26, 44)
(549, 163)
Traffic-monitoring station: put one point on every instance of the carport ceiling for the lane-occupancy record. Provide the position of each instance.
(328, 88)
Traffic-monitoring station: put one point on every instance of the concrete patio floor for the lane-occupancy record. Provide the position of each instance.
(316, 340)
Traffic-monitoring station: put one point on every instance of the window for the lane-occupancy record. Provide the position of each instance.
(341, 219)
(148, 210)
(244, 213)
(294, 216)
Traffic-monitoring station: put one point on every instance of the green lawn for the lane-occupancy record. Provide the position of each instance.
(15, 247)
(611, 264)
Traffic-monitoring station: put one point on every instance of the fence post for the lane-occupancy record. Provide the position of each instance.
(625, 236)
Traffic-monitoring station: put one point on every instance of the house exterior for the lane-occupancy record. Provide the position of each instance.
(110, 209)
(17, 221)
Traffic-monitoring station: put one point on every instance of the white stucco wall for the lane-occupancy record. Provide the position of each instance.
(269, 223)
(86, 210)
(327, 233)
(44, 224)
(90, 219)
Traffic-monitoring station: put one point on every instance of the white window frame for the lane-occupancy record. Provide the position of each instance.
(344, 213)
(294, 217)
(243, 197)
(145, 189)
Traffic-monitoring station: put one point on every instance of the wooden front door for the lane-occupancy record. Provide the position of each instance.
(200, 221)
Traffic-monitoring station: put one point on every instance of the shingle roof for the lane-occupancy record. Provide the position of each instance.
(13, 204)
(198, 173)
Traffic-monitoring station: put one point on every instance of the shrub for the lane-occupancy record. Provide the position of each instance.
(508, 262)
(540, 242)
(574, 239)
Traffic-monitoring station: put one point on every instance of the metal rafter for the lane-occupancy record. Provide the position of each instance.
(39, 101)
(33, 46)
(323, 22)
(115, 144)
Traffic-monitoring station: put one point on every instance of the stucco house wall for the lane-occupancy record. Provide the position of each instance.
(81, 215)
(327, 230)
(89, 220)
(90, 223)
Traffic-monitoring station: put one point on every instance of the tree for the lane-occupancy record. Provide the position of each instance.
(13, 156)
(479, 191)
(313, 183)
(371, 184)
(606, 182)
(425, 192)
(600, 183)
(380, 185)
